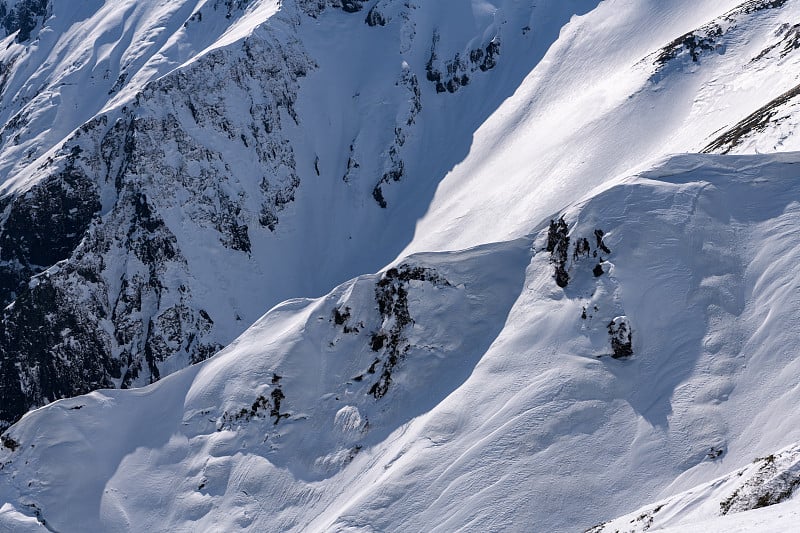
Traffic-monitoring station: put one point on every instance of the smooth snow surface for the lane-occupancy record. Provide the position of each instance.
(460, 388)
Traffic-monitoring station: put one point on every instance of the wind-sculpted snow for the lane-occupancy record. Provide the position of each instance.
(567, 323)
(497, 378)
(768, 481)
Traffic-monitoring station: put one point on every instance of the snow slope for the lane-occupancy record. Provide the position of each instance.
(757, 497)
(501, 396)
(507, 369)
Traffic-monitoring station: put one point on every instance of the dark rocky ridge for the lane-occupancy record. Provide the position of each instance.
(757, 121)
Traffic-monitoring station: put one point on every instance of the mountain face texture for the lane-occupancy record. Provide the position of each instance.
(399, 265)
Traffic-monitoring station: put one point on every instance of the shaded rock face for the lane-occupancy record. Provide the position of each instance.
(112, 302)
(451, 74)
(43, 226)
(24, 16)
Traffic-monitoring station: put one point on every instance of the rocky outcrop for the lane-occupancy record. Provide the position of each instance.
(619, 331)
(451, 74)
(315, 8)
(710, 38)
(391, 294)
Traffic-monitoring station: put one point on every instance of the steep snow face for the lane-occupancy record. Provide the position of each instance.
(767, 482)
(622, 86)
(471, 389)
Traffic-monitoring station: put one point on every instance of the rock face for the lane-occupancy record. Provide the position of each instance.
(619, 330)
(23, 16)
(122, 306)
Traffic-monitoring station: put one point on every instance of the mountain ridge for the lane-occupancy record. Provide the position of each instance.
(551, 281)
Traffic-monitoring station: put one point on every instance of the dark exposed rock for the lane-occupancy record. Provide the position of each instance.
(341, 316)
(44, 226)
(377, 342)
(599, 235)
(695, 44)
(709, 38)
(454, 73)
(489, 59)
(351, 6)
(396, 166)
(582, 249)
(558, 246)
(261, 404)
(375, 17)
(277, 396)
(391, 295)
(598, 270)
(231, 6)
(377, 195)
(9, 443)
(619, 330)
(50, 349)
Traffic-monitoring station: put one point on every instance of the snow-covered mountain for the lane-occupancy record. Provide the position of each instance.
(190, 181)
(568, 322)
